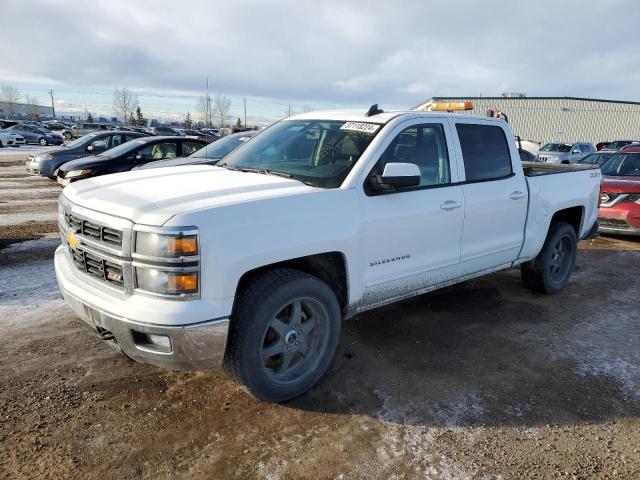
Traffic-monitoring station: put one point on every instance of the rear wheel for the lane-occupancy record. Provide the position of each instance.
(66, 135)
(43, 141)
(283, 334)
(550, 271)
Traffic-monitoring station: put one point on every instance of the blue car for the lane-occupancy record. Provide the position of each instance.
(35, 134)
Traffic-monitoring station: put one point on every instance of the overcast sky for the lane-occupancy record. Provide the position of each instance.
(321, 53)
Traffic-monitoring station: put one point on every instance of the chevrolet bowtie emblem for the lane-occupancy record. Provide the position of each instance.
(72, 240)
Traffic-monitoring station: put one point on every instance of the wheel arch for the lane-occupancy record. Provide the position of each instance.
(573, 216)
(330, 267)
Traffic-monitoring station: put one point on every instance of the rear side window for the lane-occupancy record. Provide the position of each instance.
(485, 152)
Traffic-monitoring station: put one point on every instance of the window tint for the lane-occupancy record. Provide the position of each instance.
(101, 144)
(424, 146)
(485, 152)
(189, 147)
(158, 151)
(585, 148)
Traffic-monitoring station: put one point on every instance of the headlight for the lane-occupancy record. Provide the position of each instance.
(166, 245)
(40, 158)
(165, 282)
(77, 173)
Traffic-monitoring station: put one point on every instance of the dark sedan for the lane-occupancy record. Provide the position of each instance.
(210, 154)
(127, 156)
(45, 163)
(597, 158)
(36, 134)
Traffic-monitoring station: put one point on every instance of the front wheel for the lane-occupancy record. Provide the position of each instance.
(66, 135)
(283, 334)
(550, 271)
(43, 142)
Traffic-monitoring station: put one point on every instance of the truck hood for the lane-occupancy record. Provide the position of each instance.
(152, 197)
(620, 184)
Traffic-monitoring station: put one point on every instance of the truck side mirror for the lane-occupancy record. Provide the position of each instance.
(397, 175)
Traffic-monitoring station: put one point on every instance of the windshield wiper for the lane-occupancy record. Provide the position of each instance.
(265, 171)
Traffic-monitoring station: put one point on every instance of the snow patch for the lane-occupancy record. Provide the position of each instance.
(24, 217)
(28, 284)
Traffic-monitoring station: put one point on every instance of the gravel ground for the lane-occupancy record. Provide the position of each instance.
(483, 380)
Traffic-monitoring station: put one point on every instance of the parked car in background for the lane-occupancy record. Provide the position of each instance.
(619, 211)
(596, 158)
(34, 134)
(527, 156)
(209, 154)
(565, 152)
(61, 128)
(127, 156)
(8, 139)
(83, 128)
(164, 130)
(618, 144)
(47, 162)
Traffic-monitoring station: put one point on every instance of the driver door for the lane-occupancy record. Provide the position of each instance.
(411, 237)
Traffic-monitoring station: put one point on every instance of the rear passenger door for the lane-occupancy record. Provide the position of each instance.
(495, 196)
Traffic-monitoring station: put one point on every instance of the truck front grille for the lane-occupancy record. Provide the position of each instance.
(94, 231)
(97, 267)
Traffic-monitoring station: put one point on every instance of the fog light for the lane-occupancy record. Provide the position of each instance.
(152, 341)
(160, 340)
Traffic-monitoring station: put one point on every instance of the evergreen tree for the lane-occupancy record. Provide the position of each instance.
(89, 117)
(188, 123)
(140, 120)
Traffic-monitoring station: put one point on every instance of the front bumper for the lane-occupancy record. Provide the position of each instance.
(192, 346)
(620, 219)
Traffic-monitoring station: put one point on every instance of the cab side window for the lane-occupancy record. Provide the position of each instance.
(423, 145)
(485, 152)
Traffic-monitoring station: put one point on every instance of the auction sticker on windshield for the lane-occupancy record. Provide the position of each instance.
(360, 127)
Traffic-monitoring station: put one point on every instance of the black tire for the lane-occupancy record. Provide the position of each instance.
(550, 271)
(43, 141)
(249, 342)
(66, 135)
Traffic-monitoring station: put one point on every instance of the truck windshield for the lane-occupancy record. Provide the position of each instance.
(556, 147)
(622, 165)
(317, 152)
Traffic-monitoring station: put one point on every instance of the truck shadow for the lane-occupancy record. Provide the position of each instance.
(489, 352)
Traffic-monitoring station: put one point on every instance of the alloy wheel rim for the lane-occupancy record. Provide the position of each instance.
(560, 259)
(294, 341)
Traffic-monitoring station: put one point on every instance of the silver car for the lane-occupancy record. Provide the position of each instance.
(557, 152)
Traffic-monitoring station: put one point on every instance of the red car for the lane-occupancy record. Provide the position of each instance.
(620, 193)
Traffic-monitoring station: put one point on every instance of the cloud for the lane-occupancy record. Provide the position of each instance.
(336, 52)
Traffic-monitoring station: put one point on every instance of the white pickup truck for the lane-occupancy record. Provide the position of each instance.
(255, 262)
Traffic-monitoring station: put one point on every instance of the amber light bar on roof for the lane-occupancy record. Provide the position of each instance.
(450, 106)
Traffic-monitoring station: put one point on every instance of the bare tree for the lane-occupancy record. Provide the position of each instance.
(32, 112)
(125, 103)
(221, 107)
(203, 107)
(11, 95)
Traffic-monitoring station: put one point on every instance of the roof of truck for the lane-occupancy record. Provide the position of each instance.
(380, 118)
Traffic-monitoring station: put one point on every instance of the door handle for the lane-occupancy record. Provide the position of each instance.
(517, 195)
(450, 205)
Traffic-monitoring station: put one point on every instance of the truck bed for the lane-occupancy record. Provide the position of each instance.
(536, 169)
